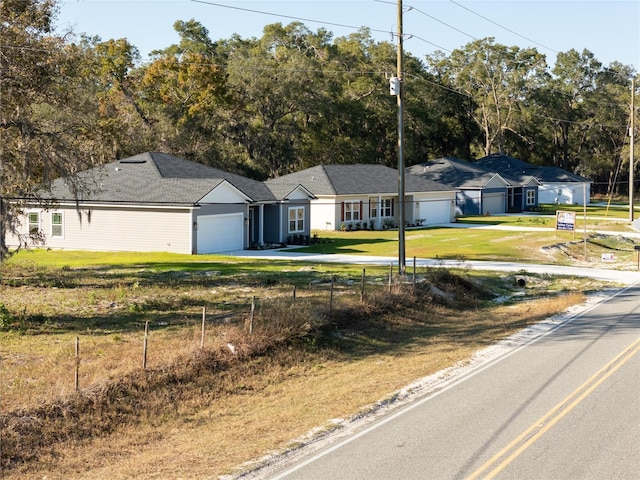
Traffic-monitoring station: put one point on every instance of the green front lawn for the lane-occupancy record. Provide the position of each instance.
(443, 243)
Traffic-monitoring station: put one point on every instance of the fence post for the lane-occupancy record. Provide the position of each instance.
(390, 275)
(144, 348)
(77, 372)
(331, 296)
(294, 293)
(204, 316)
(414, 273)
(253, 310)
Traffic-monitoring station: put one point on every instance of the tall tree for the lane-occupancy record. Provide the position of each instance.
(583, 112)
(39, 127)
(498, 78)
(183, 89)
(278, 95)
(570, 99)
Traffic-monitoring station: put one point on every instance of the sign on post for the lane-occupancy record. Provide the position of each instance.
(565, 220)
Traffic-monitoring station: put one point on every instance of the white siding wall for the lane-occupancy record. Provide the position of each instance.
(564, 193)
(118, 229)
(325, 214)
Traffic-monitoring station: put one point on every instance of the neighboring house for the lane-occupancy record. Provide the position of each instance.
(366, 196)
(158, 202)
(480, 191)
(557, 185)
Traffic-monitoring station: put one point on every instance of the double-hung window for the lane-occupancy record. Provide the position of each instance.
(386, 207)
(531, 197)
(34, 223)
(352, 212)
(56, 224)
(373, 208)
(296, 219)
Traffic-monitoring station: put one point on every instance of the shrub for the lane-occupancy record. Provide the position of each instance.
(6, 317)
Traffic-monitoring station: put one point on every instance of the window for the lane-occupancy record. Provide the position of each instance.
(386, 208)
(296, 219)
(373, 208)
(352, 212)
(531, 197)
(34, 223)
(56, 224)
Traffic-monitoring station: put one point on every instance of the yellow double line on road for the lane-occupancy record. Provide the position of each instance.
(539, 428)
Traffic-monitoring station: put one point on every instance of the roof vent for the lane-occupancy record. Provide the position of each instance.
(133, 161)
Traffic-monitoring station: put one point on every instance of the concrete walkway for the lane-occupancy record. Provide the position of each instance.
(626, 277)
(618, 276)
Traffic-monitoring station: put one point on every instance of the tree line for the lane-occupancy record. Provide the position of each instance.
(292, 99)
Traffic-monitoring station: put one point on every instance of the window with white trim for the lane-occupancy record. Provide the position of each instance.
(352, 212)
(386, 207)
(56, 224)
(531, 197)
(34, 223)
(373, 208)
(296, 219)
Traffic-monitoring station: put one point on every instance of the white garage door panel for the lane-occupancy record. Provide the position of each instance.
(493, 203)
(435, 212)
(220, 233)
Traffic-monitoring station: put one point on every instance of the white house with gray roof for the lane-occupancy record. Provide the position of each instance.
(157, 202)
(366, 196)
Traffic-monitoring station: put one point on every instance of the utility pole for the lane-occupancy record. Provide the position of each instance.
(402, 264)
(631, 141)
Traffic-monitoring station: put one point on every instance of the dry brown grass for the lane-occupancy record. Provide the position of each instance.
(201, 413)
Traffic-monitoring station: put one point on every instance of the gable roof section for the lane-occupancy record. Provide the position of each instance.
(357, 179)
(455, 172)
(286, 191)
(516, 167)
(155, 178)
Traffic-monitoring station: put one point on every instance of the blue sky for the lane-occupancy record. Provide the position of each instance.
(608, 28)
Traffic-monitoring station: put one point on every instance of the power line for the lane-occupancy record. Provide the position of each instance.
(430, 43)
(502, 26)
(291, 17)
(443, 23)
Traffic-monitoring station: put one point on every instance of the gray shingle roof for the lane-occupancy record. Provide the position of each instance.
(282, 191)
(513, 166)
(453, 172)
(358, 179)
(155, 178)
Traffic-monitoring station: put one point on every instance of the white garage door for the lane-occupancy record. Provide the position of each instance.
(435, 212)
(493, 203)
(220, 233)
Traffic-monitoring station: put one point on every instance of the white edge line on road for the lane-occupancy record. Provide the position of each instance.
(448, 384)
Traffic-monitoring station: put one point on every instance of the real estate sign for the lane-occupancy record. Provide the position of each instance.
(565, 220)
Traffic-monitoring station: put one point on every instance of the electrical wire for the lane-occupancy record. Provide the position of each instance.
(503, 27)
(279, 69)
(291, 17)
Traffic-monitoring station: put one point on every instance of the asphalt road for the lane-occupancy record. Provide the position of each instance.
(562, 405)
